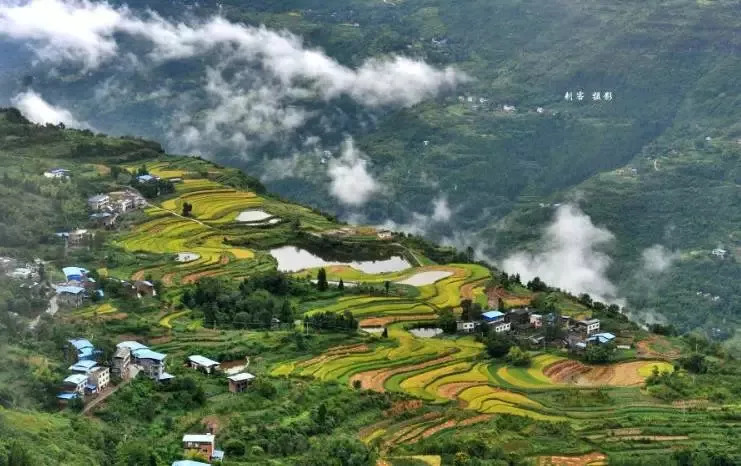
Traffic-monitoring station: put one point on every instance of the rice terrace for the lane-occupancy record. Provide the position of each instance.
(229, 234)
(338, 340)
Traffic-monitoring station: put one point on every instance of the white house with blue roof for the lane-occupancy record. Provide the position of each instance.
(150, 362)
(601, 338)
(70, 295)
(83, 367)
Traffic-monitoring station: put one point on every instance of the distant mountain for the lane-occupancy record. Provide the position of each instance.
(627, 109)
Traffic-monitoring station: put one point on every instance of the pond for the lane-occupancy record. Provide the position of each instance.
(426, 332)
(186, 256)
(293, 259)
(253, 215)
(425, 278)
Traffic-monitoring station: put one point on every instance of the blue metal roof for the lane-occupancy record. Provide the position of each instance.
(492, 315)
(74, 272)
(76, 379)
(602, 337)
(80, 343)
(132, 345)
(147, 353)
(70, 289)
(83, 366)
(144, 178)
(189, 463)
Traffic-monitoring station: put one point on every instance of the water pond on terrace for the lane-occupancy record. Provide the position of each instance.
(253, 215)
(293, 259)
(426, 332)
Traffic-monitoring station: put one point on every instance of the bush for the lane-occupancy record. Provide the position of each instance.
(498, 345)
(517, 357)
(234, 447)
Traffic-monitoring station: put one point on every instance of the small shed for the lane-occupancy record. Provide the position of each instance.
(203, 363)
(239, 382)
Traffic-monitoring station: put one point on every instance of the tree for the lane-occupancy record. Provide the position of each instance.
(694, 363)
(341, 285)
(321, 280)
(234, 447)
(497, 345)
(599, 354)
(465, 310)
(340, 450)
(536, 284)
(142, 170)
(446, 321)
(286, 313)
(187, 209)
(517, 357)
(18, 455)
(387, 285)
(500, 304)
(385, 333)
(469, 254)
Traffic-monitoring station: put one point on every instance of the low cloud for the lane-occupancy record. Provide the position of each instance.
(657, 258)
(569, 256)
(39, 111)
(257, 83)
(420, 224)
(351, 182)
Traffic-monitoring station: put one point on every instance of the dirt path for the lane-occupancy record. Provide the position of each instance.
(451, 390)
(646, 351)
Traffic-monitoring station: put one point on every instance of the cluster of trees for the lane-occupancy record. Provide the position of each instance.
(254, 303)
(332, 321)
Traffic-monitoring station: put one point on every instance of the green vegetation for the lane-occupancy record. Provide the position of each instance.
(326, 392)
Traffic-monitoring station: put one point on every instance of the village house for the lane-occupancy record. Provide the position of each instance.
(588, 327)
(518, 317)
(239, 382)
(57, 173)
(600, 339)
(202, 444)
(103, 219)
(203, 363)
(536, 320)
(144, 288)
(189, 463)
(466, 327)
(492, 317)
(502, 326)
(150, 362)
(75, 383)
(69, 295)
(77, 237)
(83, 367)
(83, 349)
(718, 252)
(99, 377)
(98, 202)
(385, 234)
(146, 178)
(74, 274)
(121, 361)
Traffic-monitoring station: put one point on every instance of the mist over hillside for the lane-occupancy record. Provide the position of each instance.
(594, 143)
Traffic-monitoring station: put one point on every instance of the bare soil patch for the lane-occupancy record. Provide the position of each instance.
(374, 380)
(590, 459)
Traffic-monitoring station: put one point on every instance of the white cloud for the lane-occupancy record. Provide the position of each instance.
(351, 183)
(569, 256)
(256, 82)
(420, 224)
(441, 212)
(657, 258)
(36, 109)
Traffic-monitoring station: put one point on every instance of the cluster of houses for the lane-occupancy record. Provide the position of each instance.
(107, 207)
(86, 377)
(76, 288)
(237, 382)
(13, 268)
(579, 333)
(132, 358)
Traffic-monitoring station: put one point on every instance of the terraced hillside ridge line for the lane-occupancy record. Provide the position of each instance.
(374, 380)
(384, 321)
